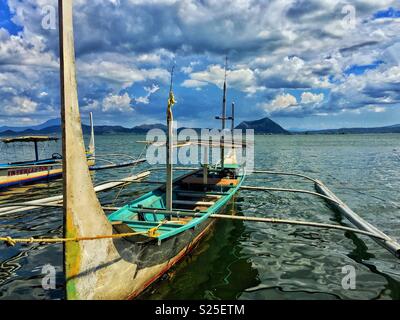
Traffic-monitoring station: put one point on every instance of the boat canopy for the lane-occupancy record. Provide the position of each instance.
(29, 139)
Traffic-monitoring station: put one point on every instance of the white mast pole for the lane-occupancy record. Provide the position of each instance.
(92, 148)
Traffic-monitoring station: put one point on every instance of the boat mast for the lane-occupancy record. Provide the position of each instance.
(233, 117)
(223, 116)
(170, 147)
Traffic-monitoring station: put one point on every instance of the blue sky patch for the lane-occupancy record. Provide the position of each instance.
(361, 69)
(388, 13)
(5, 19)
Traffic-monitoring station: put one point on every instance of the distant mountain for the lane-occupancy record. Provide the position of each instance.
(48, 123)
(387, 129)
(146, 127)
(53, 126)
(263, 126)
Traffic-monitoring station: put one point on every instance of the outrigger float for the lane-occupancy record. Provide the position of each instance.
(120, 255)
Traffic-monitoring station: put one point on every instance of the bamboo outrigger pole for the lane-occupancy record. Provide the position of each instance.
(339, 206)
(385, 241)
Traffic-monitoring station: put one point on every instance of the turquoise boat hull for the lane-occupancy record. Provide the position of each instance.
(134, 214)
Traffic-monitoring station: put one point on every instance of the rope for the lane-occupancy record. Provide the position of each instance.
(13, 241)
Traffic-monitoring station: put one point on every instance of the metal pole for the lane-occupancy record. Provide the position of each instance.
(233, 117)
(205, 167)
(170, 148)
(36, 151)
(169, 163)
(223, 117)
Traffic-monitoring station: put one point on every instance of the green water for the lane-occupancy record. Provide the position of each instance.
(245, 260)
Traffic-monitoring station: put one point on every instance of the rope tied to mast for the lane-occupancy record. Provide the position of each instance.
(152, 233)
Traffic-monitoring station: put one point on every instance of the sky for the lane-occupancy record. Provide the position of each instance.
(305, 64)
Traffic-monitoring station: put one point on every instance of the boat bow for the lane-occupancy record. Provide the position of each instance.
(88, 265)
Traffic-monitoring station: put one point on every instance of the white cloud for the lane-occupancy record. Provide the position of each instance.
(242, 79)
(309, 97)
(19, 106)
(377, 109)
(121, 73)
(190, 83)
(150, 90)
(189, 69)
(119, 103)
(281, 102)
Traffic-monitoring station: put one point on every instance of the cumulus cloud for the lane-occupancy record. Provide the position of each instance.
(121, 73)
(273, 46)
(20, 106)
(308, 97)
(118, 103)
(242, 79)
(150, 90)
(281, 102)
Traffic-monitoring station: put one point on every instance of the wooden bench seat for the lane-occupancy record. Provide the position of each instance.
(221, 182)
(194, 203)
(193, 194)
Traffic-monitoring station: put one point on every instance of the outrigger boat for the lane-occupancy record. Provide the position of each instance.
(120, 255)
(24, 172)
(161, 228)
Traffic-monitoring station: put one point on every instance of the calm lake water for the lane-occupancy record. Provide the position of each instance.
(246, 260)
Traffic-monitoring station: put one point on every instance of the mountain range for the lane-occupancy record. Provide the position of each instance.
(387, 129)
(261, 126)
(53, 126)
